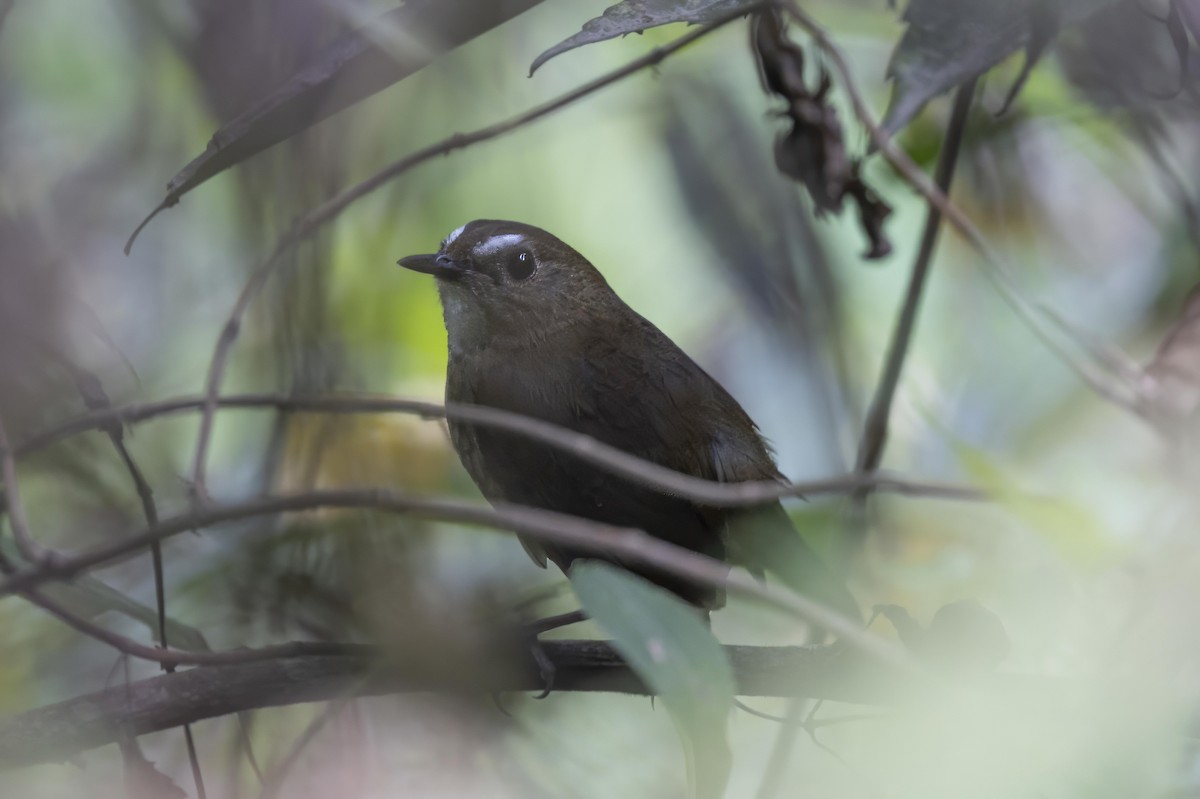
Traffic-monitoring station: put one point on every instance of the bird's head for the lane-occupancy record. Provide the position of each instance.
(509, 279)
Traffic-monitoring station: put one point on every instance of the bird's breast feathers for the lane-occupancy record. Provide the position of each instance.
(664, 409)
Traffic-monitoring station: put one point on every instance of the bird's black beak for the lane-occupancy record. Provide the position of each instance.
(440, 266)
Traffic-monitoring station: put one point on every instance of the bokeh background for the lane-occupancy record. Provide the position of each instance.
(667, 183)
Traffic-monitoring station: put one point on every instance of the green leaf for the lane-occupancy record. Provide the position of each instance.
(635, 16)
(950, 41)
(667, 643)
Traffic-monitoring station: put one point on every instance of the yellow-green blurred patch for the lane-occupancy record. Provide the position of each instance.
(1071, 528)
(393, 450)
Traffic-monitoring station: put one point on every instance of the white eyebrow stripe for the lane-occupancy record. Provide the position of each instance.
(497, 243)
(454, 234)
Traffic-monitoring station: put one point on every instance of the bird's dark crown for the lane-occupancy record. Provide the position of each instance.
(512, 283)
(493, 258)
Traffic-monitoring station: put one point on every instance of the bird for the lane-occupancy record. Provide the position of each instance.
(534, 328)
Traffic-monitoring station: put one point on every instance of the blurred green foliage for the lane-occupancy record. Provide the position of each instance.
(1085, 551)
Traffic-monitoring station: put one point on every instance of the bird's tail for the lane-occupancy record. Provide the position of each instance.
(764, 540)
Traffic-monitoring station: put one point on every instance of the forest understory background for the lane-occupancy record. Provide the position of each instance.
(992, 409)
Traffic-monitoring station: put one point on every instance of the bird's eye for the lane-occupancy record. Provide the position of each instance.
(520, 265)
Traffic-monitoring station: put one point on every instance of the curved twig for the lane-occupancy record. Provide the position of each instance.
(582, 446)
(632, 547)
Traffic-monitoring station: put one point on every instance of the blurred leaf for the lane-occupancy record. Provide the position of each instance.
(821, 525)
(950, 41)
(1044, 24)
(1124, 56)
(963, 638)
(635, 16)
(716, 151)
(969, 636)
(907, 628)
(347, 71)
(763, 539)
(667, 644)
(86, 596)
(1072, 529)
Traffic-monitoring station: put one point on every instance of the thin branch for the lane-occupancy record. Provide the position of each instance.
(150, 513)
(1126, 393)
(91, 391)
(874, 438)
(309, 224)
(584, 447)
(60, 731)
(194, 761)
(96, 399)
(632, 547)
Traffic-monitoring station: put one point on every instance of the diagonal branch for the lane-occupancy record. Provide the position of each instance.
(586, 448)
(311, 222)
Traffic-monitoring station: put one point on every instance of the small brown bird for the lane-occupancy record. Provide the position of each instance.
(535, 329)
